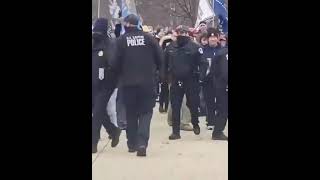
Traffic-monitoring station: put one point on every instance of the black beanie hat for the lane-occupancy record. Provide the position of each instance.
(101, 26)
(132, 19)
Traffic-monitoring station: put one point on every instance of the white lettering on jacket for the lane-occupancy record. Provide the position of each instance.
(135, 41)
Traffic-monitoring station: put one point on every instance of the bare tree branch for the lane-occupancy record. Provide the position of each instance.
(182, 6)
(163, 5)
(190, 6)
(185, 9)
(177, 15)
(186, 5)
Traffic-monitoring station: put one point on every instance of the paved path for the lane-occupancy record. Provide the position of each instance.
(190, 158)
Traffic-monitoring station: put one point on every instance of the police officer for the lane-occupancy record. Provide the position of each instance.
(103, 84)
(183, 59)
(220, 64)
(207, 73)
(137, 58)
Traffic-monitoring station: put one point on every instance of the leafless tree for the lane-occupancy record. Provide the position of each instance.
(185, 9)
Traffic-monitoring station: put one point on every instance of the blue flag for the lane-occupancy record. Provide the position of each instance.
(125, 12)
(220, 10)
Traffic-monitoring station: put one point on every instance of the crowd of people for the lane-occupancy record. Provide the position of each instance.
(186, 69)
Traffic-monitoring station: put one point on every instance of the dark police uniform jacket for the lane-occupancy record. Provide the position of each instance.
(102, 75)
(137, 57)
(221, 68)
(182, 62)
(207, 66)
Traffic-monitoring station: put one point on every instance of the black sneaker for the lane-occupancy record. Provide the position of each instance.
(219, 136)
(174, 136)
(94, 148)
(115, 137)
(196, 129)
(142, 151)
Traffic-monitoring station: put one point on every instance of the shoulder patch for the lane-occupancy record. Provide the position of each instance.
(200, 50)
(100, 53)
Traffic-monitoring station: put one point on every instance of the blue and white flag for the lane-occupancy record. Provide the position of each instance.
(220, 10)
(125, 11)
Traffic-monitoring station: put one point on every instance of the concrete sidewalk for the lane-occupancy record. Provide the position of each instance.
(190, 158)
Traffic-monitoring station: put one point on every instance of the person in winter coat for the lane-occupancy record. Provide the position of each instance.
(103, 84)
(207, 77)
(221, 89)
(182, 61)
(137, 57)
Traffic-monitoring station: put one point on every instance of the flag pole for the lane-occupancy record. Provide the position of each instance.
(98, 8)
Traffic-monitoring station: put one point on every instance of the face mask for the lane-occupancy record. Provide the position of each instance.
(182, 40)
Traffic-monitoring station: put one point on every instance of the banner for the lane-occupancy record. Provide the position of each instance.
(221, 12)
(205, 12)
(128, 7)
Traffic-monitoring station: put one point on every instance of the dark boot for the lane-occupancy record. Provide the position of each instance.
(219, 136)
(115, 137)
(174, 136)
(142, 151)
(196, 129)
(131, 148)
